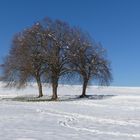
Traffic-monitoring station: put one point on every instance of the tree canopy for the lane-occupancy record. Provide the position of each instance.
(51, 49)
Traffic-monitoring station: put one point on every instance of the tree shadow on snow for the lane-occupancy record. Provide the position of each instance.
(88, 97)
(61, 98)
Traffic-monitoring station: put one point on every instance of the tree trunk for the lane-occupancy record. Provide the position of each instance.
(39, 87)
(85, 83)
(54, 89)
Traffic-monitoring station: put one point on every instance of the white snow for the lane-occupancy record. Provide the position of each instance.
(112, 113)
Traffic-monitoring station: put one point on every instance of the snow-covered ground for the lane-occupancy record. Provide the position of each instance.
(111, 114)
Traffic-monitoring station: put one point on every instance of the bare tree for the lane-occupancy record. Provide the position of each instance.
(55, 49)
(87, 58)
(58, 37)
(25, 60)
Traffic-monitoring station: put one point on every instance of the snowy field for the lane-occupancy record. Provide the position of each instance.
(110, 114)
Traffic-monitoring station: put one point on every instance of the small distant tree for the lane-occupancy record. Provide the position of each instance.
(88, 60)
(25, 60)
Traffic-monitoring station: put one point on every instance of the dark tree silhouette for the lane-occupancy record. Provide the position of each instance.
(51, 49)
(58, 38)
(25, 60)
(88, 59)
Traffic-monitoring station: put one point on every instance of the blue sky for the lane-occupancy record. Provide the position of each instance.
(114, 23)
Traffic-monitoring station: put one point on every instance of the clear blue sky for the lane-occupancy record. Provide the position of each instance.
(114, 23)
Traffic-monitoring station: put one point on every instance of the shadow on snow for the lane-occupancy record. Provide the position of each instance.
(60, 98)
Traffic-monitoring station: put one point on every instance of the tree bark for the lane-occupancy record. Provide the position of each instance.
(54, 89)
(39, 87)
(85, 83)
